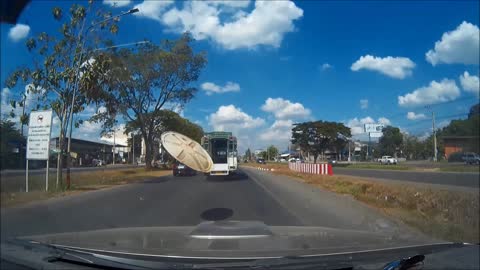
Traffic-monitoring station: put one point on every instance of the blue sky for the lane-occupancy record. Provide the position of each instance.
(271, 64)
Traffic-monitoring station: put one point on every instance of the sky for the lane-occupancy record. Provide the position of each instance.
(275, 63)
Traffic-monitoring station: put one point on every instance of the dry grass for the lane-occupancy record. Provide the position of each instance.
(443, 214)
(13, 188)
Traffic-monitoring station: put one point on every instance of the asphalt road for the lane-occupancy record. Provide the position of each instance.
(439, 178)
(187, 201)
(177, 201)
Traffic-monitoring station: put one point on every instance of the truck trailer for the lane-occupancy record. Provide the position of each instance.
(222, 148)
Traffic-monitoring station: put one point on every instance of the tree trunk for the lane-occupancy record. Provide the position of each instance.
(148, 157)
(61, 139)
(60, 158)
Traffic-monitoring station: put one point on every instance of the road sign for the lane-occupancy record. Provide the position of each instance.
(376, 134)
(373, 128)
(39, 128)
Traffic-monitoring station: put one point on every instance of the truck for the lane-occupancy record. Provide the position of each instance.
(222, 148)
(388, 160)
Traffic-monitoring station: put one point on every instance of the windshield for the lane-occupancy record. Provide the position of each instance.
(355, 120)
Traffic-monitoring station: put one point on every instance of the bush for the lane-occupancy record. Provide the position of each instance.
(455, 157)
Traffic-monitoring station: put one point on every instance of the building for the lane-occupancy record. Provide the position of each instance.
(453, 144)
(84, 152)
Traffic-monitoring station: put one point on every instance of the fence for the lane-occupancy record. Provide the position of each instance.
(323, 168)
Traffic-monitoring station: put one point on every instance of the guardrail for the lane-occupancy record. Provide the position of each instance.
(316, 168)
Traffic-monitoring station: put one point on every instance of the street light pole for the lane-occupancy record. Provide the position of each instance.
(76, 82)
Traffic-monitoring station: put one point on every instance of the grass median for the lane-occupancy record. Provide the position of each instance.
(13, 187)
(443, 214)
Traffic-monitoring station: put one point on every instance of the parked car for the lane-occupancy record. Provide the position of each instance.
(386, 160)
(98, 162)
(471, 158)
(260, 160)
(182, 169)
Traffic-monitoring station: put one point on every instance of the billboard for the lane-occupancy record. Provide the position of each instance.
(370, 128)
(38, 142)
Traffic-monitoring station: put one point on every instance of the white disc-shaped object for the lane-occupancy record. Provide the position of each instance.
(187, 151)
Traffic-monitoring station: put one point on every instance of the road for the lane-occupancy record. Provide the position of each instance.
(177, 201)
(187, 201)
(468, 180)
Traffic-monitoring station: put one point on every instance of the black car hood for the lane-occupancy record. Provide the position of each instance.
(229, 239)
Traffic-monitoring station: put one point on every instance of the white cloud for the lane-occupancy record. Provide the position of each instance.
(470, 83)
(117, 3)
(458, 46)
(414, 116)
(232, 27)
(91, 129)
(242, 125)
(152, 9)
(230, 3)
(230, 117)
(436, 92)
(395, 67)
(357, 126)
(119, 138)
(284, 109)
(18, 32)
(363, 104)
(325, 66)
(32, 98)
(278, 134)
(211, 88)
(384, 121)
(6, 108)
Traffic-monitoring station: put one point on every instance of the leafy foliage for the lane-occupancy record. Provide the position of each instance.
(12, 151)
(391, 141)
(57, 57)
(272, 152)
(316, 137)
(140, 81)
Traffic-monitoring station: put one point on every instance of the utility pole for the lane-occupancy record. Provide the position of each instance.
(133, 148)
(434, 138)
(114, 146)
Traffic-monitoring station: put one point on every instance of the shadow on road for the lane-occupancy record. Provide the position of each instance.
(239, 176)
(216, 214)
(155, 180)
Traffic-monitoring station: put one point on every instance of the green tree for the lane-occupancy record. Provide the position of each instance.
(391, 141)
(12, 153)
(474, 111)
(248, 154)
(167, 120)
(272, 152)
(56, 58)
(316, 137)
(140, 81)
(264, 155)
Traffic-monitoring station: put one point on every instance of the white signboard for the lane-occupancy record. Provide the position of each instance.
(373, 128)
(376, 134)
(39, 128)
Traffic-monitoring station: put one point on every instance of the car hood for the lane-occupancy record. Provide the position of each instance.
(229, 239)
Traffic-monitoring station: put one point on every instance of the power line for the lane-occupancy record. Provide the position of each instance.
(418, 110)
